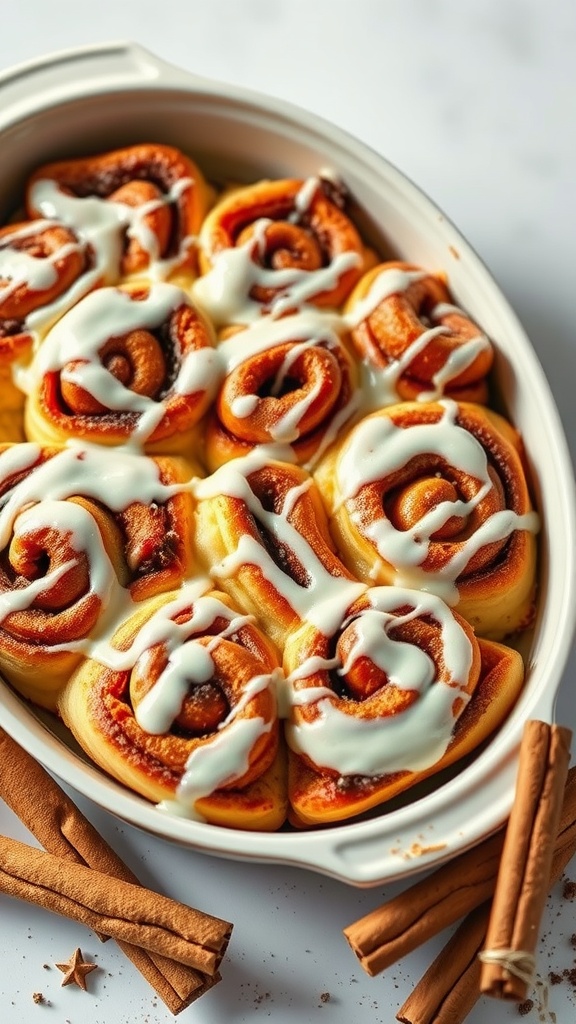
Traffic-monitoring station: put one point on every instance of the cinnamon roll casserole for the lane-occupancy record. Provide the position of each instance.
(267, 543)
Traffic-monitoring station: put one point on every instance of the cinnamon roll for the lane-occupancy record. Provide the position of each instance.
(124, 365)
(261, 532)
(289, 382)
(58, 573)
(44, 269)
(272, 247)
(180, 705)
(416, 342)
(434, 496)
(400, 690)
(80, 537)
(140, 207)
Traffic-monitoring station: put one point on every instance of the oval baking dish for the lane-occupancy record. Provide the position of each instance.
(96, 99)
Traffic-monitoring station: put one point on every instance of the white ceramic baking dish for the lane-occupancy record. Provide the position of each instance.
(94, 99)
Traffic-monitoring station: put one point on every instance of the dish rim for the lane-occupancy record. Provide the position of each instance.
(352, 851)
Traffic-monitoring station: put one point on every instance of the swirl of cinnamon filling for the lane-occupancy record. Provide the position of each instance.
(275, 246)
(181, 706)
(288, 382)
(139, 505)
(261, 531)
(141, 207)
(60, 565)
(39, 262)
(434, 496)
(124, 365)
(398, 691)
(44, 269)
(417, 342)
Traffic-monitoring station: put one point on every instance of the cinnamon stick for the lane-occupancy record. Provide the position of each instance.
(396, 928)
(450, 987)
(526, 860)
(58, 824)
(116, 908)
(399, 926)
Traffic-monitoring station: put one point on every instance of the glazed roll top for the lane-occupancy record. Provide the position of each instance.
(44, 269)
(398, 691)
(276, 246)
(81, 536)
(181, 706)
(124, 366)
(287, 382)
(434, 496)
(416, 343)
(140, 208)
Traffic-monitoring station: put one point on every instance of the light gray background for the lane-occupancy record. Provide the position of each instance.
(476, 102)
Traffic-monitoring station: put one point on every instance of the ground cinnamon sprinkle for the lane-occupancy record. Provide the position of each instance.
(569, 890)
(554, 978)
(525, 1007)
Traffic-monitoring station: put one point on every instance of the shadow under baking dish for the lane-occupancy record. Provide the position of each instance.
(101, 98)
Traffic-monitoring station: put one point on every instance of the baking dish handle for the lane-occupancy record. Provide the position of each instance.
(99, 68)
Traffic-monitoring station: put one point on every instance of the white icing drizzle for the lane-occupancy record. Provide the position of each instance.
(309, 328)
(22, 598)
(459, 360)
(224, 292)
(325, 598)
(76, 523)
(380, 383)
(410, 740)
(218, 759)
(377, 448)
(39, 501)
(389, 282)
(304, 198)
(211, 766)
(79, 469)
(190, 664)
(105, 222)
(19, 268)
(244, 405)
(108, 313)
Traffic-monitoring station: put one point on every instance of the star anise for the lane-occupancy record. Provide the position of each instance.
(76, 969)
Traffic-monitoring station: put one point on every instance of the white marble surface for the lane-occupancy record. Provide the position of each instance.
(476, 102)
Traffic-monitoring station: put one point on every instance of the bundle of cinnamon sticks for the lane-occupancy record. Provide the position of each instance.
(177, 949)
(501, 887)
